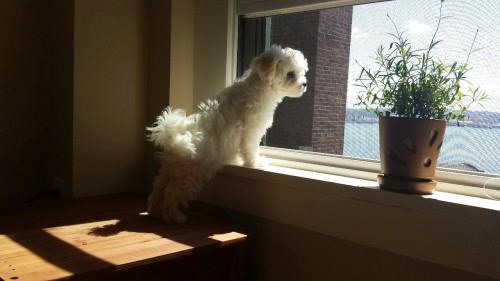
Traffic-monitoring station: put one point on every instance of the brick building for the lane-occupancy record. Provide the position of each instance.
(316, 120)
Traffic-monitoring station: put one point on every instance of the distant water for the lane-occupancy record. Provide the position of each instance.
(477, 147)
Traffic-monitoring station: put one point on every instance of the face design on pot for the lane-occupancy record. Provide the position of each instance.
(409, 145)
(411, 149)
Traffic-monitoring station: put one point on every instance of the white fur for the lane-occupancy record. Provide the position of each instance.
(225, 129)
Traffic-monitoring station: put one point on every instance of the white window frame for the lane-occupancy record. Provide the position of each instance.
(449, 180)
(264, 8)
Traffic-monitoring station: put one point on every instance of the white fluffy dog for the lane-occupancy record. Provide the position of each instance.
(226, 129)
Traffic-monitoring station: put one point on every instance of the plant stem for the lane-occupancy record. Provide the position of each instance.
(470, 50)
(439, 23)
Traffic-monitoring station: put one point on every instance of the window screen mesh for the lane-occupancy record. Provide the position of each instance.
(336, 41)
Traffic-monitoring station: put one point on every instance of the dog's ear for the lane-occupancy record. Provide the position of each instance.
(265, 64)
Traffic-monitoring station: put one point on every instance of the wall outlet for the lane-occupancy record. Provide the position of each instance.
(59, 185)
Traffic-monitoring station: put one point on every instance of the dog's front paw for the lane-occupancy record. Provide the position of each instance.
(262, 162)
(236, 161)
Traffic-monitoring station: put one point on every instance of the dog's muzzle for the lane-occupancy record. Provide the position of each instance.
(303, 87)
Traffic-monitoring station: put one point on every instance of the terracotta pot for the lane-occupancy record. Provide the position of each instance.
(409, 149)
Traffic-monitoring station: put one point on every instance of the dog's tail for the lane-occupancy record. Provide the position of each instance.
(171, 132)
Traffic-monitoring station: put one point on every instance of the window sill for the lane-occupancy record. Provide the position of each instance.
(360, 189)
(453, 230)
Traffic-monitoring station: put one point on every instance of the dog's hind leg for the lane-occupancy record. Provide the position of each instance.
(176, 196)
(155, 198)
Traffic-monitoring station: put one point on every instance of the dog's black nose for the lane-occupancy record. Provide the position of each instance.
(304, 85)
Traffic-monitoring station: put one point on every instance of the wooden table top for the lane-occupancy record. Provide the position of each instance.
(97, 234)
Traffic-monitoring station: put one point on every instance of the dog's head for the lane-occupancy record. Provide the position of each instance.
(283, 69)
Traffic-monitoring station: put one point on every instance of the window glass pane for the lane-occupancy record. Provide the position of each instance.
(337, 41)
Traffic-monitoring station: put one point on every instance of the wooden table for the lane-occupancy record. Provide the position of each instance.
(112, 238)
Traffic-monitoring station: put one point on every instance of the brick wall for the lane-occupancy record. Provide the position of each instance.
(332, 67)
(317, 119)
(292, 125)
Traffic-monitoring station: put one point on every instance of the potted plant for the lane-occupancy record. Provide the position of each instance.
(414, 95)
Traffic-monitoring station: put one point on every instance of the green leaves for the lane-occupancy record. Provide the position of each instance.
(412, 83)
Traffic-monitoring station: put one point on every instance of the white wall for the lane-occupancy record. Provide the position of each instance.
(35, 97)
(211, 48)
(201, 46)
(110, 95)
(182, 54)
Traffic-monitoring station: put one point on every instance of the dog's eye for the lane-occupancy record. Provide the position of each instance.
(290, 75)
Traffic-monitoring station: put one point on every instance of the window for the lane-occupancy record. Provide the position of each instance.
(326, 119)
